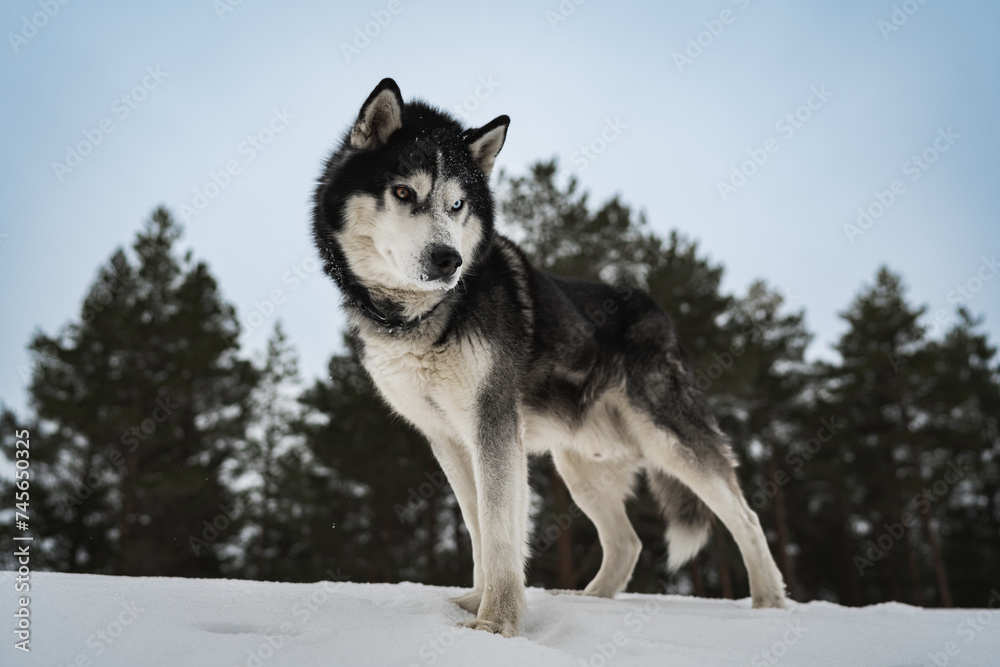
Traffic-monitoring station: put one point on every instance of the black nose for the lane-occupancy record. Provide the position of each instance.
(446, 259)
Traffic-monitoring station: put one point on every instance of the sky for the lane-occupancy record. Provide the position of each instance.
(805, 144)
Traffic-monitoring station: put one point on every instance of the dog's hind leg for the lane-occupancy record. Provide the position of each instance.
(705, 466)
(600, 488)
(670, 422)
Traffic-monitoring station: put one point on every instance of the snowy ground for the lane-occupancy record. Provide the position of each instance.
(85, 620)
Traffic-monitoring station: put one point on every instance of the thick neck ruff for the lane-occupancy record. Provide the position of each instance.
(384, 313)
(387, 319)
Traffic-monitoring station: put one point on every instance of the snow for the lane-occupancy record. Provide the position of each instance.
(85, 620)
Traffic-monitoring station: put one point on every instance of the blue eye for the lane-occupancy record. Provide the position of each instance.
(457, 206)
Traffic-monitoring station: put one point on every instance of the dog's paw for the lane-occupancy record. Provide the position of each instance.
(499, 614)
(569, 591)
(600, 590)
(770, 601)
(469, 601)
(507, 629)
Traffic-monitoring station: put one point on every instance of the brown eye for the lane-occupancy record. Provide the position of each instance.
(402, 192)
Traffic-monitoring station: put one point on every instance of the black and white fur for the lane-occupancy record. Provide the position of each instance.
(492, 360)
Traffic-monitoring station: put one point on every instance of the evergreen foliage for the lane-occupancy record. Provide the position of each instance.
(158, 449)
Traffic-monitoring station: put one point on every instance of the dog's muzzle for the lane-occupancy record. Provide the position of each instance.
(445, 261)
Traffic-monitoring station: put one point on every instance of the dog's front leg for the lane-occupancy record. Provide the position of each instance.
(456, 462)
(501, 473)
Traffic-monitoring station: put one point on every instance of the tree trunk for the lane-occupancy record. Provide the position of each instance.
(590, 562)
(725, 576)
(847, 549)
(939, 571)
(564, 542)
(432, 539)
(916, 588)
(696, 580)
(387, 536)
(79, 527)
(265, 507)
(127, 485)
(781, 529)
(895, 587)
(463, 543)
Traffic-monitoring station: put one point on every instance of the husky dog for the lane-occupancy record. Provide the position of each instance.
(492, 360)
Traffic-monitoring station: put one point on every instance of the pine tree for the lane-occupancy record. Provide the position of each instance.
(959, 408)
(557, 231)
(140, 402)
(762, 377)
(269, 467)
(872, 392)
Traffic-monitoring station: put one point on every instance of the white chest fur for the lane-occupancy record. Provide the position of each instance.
(436, 388)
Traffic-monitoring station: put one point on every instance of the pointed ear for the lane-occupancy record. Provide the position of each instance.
(486, 142)
(381, 115)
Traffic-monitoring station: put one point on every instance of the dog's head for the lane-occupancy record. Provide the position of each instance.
(404, 204)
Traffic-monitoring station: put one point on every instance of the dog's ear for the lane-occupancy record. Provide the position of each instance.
(486, 142)
(381, 115)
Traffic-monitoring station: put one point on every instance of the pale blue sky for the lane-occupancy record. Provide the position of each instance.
(681, 130)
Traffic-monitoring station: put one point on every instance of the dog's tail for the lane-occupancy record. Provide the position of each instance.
(689, 521)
